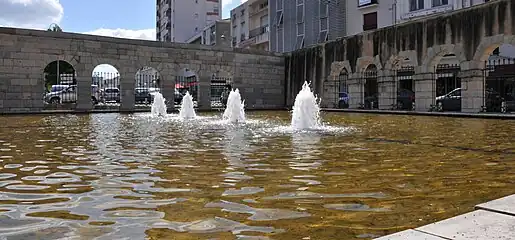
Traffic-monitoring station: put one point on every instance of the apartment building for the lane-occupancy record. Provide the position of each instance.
(295, 24)
(178, 20)
(369, 15)
(250, 25)
(217, 33)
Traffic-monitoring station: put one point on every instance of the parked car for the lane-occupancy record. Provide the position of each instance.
(405, 99)
(145, 95)
(68, 94)
(111, 95)
(450, 101)
(343, 100)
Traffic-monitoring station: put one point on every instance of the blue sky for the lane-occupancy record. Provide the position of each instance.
(89, 15)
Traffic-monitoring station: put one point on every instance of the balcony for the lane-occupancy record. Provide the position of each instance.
(257, 8)
(259, 31)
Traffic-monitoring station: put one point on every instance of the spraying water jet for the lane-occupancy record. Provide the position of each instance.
(159, 105)
(235, 109)
(306, 110)
(187, 111)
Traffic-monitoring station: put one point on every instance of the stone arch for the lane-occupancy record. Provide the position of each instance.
(364, 62)
(107, 81)
(58, 72)
(338, 67)
(489, 44)
(147, 82)
(401, 59)
(436, 53)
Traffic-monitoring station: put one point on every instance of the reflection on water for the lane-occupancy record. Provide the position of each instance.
(112, 176)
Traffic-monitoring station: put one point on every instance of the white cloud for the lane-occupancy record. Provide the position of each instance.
(144, 34)
(35, 14)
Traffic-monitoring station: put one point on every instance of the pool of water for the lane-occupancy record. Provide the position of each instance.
(115, 176)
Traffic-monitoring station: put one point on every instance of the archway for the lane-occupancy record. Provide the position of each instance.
(147, 83)
(60, 83)
(405, 85)
(371, 88)
(186, 81)
(343, 89)
(219, 88)
(105, 85)
(499, 94)
(447, 84)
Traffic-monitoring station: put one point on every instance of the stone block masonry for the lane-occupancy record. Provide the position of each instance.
(25, 53)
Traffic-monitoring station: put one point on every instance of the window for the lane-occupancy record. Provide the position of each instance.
(437, 3)
(415, 5)
(323, 9)
(324, 24)
(322, 36)
(279, 18)
(300, 13)
(370, 21)
(300, 29)
(300, 42)
(279, 4)
(363, 3)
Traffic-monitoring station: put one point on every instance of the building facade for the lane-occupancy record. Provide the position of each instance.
(178, 20)
(250, 25)
(217, 33)
(414, 9)
(295, 24)
(369, 15)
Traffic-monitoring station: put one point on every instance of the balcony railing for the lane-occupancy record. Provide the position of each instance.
(259, 8)
(258, 31)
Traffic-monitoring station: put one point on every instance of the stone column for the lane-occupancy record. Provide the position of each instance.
(424, 89)
(127, 82)
(355, 83)
(84, 103)
(472, 88)
(204, 95)
(387, 89)
(168, 89)
(330, 93)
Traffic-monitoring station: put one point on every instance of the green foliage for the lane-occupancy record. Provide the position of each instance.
(51, 74)
(55, 28)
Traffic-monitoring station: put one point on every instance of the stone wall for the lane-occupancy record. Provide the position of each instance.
(469, 35)
(25, 53)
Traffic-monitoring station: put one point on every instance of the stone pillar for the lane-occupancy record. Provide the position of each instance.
(84, 103)
(204, 96)
(387, 89)
(127, 82)
(355, 83)
(424, 90)
(168, 89)
(330, 93)
(472, 90)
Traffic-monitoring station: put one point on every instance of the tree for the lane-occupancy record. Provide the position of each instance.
(54, 28)
(51, 74)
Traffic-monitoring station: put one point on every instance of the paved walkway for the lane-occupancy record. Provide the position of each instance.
(491, 220)
(443, 114)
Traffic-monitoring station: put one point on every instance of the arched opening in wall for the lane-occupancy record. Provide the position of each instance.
(147, 84)
(186, 81)
(447, 84)
(499, 94)
(105, 86)
(60, 84)
(221, 86)
(371, 88)
(405, 97)
(343, 89)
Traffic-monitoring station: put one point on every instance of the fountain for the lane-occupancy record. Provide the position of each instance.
(235, 109)
(306, 110)
(159, 105)
(187, 111)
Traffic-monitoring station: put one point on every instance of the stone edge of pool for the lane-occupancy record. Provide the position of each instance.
(491, 220)
(384, 112)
